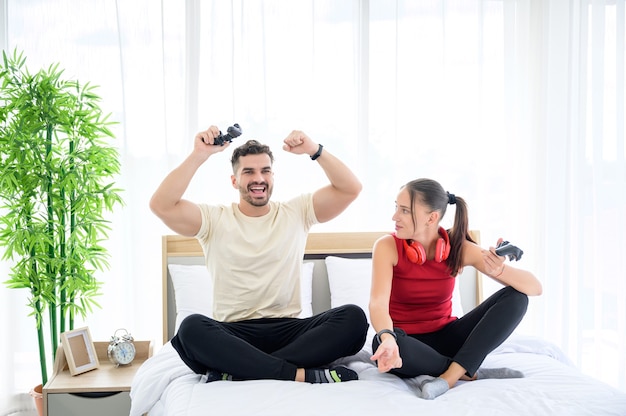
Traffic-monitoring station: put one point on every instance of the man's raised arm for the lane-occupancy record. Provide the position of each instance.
(345, 187)
(180, 215)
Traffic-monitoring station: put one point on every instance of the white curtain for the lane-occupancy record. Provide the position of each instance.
(581, 178)
(517, 106)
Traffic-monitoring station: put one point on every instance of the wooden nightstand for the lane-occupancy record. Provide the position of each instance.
(103, 391)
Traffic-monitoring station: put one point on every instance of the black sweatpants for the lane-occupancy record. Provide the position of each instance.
(466, 341)
(270, 348)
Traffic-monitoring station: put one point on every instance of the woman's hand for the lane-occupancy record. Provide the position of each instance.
(489, 263)
(388, 355)
(494, 264)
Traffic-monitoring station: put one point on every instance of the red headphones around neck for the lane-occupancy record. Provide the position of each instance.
(416, 253)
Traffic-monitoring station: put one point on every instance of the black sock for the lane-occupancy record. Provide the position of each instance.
(214, 375)
(330, 375)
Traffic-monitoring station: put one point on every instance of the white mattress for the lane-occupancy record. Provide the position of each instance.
(551, 386)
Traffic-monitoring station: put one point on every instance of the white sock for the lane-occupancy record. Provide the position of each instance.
(433, 388)
(503, 372)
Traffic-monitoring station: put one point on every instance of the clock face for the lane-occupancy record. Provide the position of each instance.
(123, 353)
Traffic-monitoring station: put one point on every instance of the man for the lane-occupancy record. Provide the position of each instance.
(254, 251)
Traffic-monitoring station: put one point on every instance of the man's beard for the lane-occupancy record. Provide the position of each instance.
(246, 195)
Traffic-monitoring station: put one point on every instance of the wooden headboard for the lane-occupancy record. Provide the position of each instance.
(186, 250)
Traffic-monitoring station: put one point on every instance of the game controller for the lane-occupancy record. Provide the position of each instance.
(507, 249)
(232, 132)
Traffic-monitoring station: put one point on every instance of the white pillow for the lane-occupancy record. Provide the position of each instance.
(193, 290)
(457, 305)
(350, 282)
(306, 290)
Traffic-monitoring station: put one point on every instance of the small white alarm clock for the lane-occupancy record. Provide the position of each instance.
(121, 350)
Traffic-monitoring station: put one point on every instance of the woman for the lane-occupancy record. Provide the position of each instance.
(413, 278)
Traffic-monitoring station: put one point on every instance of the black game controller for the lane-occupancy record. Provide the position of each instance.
(507, 249)
(232, 132)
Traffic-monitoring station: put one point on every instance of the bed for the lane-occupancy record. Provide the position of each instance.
(335, 271)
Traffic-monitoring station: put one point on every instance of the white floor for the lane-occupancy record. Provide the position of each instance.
(21, 405)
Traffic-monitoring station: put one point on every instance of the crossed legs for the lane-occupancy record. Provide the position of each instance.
(270, 348)
(457, 351)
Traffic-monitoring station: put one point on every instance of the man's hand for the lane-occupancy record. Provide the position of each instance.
(203, 142)
(388, 355)
(299, 143)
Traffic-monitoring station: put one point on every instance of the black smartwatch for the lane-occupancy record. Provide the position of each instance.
(318, 153)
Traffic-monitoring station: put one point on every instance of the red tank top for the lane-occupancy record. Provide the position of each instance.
(421, 295)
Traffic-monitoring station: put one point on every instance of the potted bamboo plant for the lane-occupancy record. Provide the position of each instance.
(57, 174)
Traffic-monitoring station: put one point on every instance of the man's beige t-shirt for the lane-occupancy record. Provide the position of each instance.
(255, 262)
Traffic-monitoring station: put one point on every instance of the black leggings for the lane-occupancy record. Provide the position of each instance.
(466, 341)
(270, 348)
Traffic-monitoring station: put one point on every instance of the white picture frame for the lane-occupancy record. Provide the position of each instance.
(79, 350)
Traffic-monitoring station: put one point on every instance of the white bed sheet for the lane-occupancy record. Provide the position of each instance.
(551, 386)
